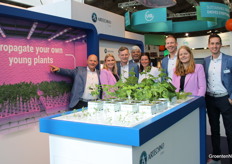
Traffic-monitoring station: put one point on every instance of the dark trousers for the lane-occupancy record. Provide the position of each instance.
(80, 105)
(216, 106)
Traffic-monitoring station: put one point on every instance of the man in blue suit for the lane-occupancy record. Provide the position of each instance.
(124, 66)
(85, 80)
(218, 69)
(169, 62)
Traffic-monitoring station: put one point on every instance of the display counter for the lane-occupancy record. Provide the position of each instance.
(176, 135)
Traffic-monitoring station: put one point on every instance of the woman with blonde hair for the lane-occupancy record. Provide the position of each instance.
(188, 76)
(108, 75)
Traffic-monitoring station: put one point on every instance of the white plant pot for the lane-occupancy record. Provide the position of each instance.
(173, 100)
(111, 106)
(94, 106)
(160, 107)
(164, 101)
(129, 107)
(148, 109)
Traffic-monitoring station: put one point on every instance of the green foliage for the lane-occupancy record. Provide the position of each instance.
(151, 88)
(13, 92)
(96, 91)
(54, 88)
(24, 91)
(183, 95)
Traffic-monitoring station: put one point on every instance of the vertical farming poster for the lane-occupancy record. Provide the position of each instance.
(27, 49)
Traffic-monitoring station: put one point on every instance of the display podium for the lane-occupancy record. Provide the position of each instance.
(176, 135)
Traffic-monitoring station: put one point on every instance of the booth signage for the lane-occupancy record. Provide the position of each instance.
(209, 16)
(217, 10)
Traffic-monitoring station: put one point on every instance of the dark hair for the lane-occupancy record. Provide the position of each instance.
(214, 36)
(141, 67)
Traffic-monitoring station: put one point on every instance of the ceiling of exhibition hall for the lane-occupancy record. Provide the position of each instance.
(184, 10)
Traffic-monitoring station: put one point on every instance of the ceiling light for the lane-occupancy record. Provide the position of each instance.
(76, 38)
(186, 34)
(2, 32)
(33, 27)
(59, 33)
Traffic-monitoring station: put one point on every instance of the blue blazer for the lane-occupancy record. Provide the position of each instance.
(164, 64)
(132, 66)
(226, 71)
(78, 75)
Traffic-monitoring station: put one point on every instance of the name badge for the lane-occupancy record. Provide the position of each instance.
(226, 71)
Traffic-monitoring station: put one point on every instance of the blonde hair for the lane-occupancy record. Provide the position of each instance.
(114, 71)
(180, 70)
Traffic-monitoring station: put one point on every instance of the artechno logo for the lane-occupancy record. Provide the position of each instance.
(143, 158)
(149, 17)
(94, 17)
(105, 50)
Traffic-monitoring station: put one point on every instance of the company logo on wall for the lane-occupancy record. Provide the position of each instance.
(143, 158)
(95, 18)
(108, 51)
(149, 16)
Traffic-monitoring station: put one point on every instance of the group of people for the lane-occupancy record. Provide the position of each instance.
(211, 80)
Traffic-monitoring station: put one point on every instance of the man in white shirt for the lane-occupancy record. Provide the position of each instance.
(124, 67)
(218, 70)
(169, 62)
(85, 81)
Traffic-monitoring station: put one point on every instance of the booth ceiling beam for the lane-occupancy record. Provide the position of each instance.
(128, 4)
(227, 2)
(192, 2)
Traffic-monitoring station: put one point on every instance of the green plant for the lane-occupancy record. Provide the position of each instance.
(96, 90)
(183, 95)
(54, 88)
(151, 88)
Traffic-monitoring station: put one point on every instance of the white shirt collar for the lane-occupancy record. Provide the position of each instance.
(90, 70)
(217, 59)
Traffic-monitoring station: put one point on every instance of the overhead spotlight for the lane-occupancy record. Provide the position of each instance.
(33, 27)
(60, 33)
(186, 34)
(76, 38)
(2, 32)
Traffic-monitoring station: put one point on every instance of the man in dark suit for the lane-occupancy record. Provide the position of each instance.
(85, 80)
(124, 67)
(218, 69)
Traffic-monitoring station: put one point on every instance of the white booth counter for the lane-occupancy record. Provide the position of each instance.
(175, 136)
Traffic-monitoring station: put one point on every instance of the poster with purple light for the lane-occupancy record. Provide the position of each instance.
(27, 49)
